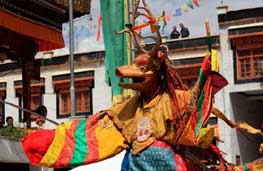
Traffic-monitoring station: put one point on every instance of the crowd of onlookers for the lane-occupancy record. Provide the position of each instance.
(184, 32)
(9, 130)
(9, 121)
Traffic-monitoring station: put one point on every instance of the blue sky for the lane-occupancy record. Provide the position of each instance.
(85, 35)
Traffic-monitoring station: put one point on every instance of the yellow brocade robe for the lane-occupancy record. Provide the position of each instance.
(126, 116)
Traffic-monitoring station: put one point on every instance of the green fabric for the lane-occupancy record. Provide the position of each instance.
(190, 4)
(80, 150)
(201, 80)
(113, 20)
(209, 43)
(199, 112)
(245, 166)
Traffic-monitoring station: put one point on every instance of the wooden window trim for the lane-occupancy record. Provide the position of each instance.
(33, 106)
(37, 89)
(60, 108)
(84, 81)
(252, 60)
(188, 79)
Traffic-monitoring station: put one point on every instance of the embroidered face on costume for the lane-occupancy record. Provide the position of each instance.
(144, 129)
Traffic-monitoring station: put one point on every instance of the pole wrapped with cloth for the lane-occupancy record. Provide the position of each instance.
(114, 17)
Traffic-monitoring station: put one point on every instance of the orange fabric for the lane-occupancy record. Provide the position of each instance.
(47, 38)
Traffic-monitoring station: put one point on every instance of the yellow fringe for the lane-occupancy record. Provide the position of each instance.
(215, 61)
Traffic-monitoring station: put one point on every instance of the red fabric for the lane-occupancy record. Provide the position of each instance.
(250, 167)
(241, 168)
(67, 151)
(206, 66)
(151, 21)
(140, 26)
(36, 145)
(92, 143)
(180, 164)
(196, 2)
(216, 150)
(207, 102)
(218, 82)
(46, 37)
(168, 18)
(98, 28)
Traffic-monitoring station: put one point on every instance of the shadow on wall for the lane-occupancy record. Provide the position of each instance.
(251, 112)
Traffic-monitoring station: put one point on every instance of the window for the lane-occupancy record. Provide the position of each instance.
(189, 73)
(250, 63)
(36, 100)
(37, 91)
(84, 82)
(82, 101)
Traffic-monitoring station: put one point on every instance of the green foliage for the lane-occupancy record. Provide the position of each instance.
(12, 132)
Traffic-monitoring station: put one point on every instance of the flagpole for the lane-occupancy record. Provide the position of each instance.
(71, 59)
(208, 33)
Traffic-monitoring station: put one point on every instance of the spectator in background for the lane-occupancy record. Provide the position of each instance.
(41, 110)
(1, 122)
(40, 122)
(175, 33)
(10, 122)
(184, 31)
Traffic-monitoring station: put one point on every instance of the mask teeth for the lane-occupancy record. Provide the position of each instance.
(148, 73)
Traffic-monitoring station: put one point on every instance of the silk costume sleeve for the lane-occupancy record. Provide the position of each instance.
(198, 105)
(74, 143)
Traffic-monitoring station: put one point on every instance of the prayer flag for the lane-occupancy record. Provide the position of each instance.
(168, 17)
(178, 12)
(196, 2)
(184, 8)
(98, 28)
(190, 4)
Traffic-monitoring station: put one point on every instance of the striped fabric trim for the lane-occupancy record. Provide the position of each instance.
(204, 85)
(201, 83)
(201, 80)
(66, 153)
(92, 143)
(250, 167)
(199, 112)
(81, 149)
(245, 167)
(55, 148)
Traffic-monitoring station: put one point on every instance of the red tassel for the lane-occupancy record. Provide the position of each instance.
(196, 2)
(167, 18)
(98, 28)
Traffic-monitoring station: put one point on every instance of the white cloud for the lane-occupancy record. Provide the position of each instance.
(90, 44)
